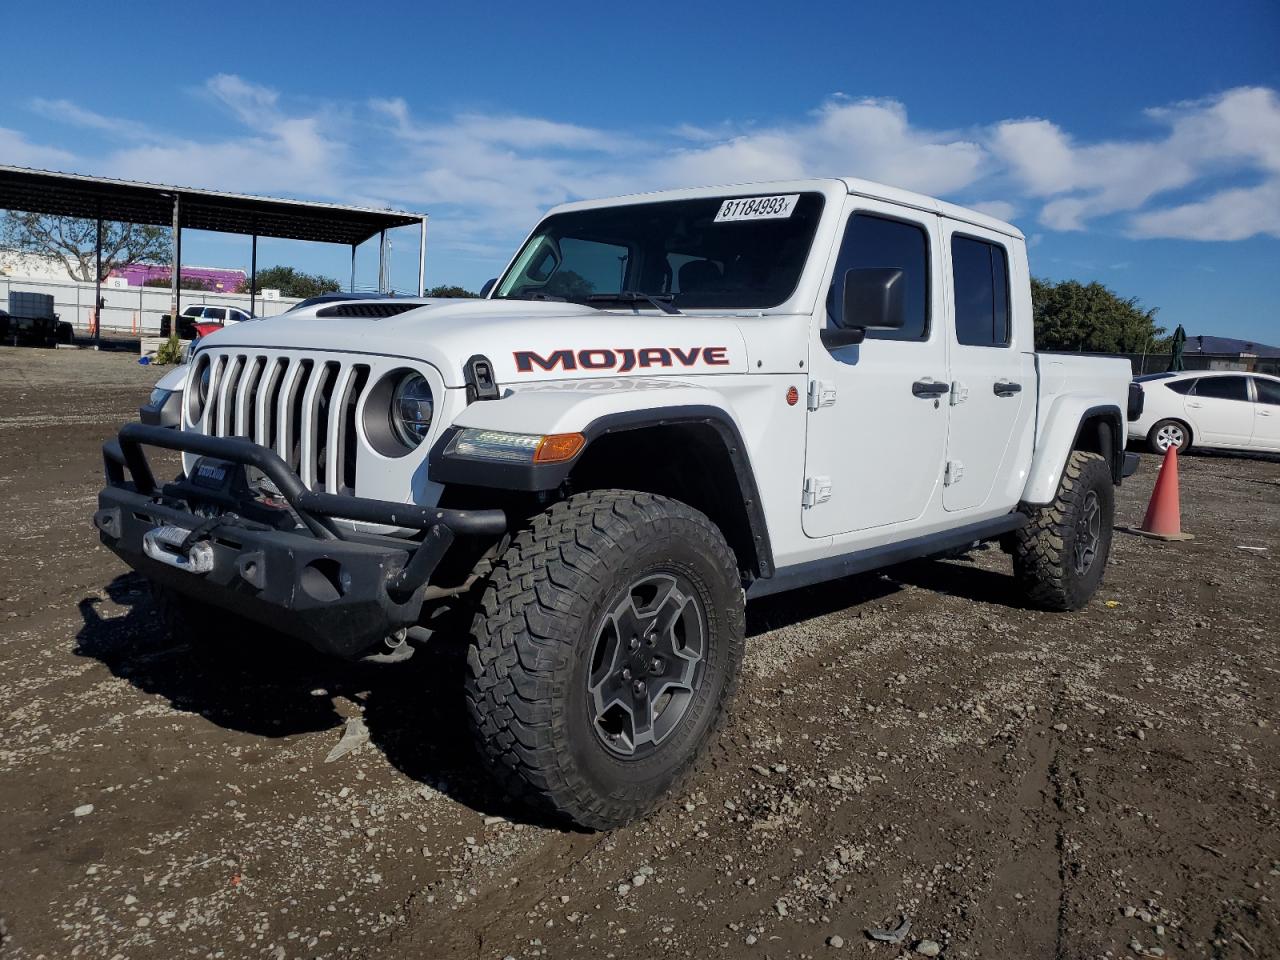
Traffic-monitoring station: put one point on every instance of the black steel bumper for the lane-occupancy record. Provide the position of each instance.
(279, 561)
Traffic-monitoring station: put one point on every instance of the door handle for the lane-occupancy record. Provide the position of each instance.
(929, 389)
(1195, 406)
(1006, 388)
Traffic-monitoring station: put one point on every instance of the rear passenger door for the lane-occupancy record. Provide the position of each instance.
(1221, 411)
(993, 379)
(1266, 414)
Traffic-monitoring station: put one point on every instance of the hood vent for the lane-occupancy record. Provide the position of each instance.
(370, 310)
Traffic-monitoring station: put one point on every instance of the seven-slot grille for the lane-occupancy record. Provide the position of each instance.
(302, 408)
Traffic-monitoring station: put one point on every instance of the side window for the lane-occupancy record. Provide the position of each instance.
(871, 241)
(1182, 386)
(1268, 391)
(1223, 388)
(215, 313)
(981, 272)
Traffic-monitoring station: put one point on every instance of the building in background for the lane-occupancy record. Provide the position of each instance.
(1228, 353)
(215, 279)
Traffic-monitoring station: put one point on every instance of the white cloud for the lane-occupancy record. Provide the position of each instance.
(1209, 169)
(1000, 209)
(1227, 215)
(1233, 133)
(18, 151)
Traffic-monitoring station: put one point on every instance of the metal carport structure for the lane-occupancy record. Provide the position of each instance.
(160, 205)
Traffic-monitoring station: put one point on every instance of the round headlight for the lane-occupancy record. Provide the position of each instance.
(412, 407)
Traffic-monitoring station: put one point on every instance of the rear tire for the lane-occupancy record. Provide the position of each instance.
(604, 653)
(1060, 555)
(1169, 433)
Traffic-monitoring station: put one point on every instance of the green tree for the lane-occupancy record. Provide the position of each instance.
(73, 242)
(1075, 316)
(570, 285)
(292, 283)
(446, 290)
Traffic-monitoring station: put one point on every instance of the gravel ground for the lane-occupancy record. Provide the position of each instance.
(906, 745)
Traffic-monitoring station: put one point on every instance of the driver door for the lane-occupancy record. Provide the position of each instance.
(877, 424)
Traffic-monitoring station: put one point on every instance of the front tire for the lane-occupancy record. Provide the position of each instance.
(1061, 553)
(604, 653)
(1166, 434)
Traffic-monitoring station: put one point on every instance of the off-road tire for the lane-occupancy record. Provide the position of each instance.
(532, 648)
(1153, 434)
(1044, 553)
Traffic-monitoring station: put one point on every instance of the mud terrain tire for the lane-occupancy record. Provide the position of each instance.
(605, 585)
(1060, 555)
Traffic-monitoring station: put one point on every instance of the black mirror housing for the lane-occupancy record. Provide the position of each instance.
(488, 285)
(874, 299)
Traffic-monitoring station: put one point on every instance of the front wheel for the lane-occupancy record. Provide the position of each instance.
(1061, 552)
(604, 653)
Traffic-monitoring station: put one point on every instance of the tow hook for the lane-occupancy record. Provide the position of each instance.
(394, 648)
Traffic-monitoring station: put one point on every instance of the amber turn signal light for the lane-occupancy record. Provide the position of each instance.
(558, 447)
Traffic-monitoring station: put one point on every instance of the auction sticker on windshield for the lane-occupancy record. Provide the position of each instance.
(757, 208)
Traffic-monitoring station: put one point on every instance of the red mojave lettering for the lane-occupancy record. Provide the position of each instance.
(621, 359)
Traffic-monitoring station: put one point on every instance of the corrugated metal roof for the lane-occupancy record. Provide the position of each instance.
(128, 201)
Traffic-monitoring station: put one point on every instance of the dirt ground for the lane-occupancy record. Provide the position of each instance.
(905, 745)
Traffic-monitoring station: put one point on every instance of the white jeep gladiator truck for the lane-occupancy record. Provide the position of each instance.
(666, 406)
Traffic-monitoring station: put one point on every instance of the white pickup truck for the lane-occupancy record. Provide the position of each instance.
(667, 406)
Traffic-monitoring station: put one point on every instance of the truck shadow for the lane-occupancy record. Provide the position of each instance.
(414, 711)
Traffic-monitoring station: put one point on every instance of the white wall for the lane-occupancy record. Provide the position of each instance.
(128, 310)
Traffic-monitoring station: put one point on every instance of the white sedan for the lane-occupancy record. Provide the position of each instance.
(1223, 409)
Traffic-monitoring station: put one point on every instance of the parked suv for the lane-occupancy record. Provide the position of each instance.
(1220, 409)
(667, 406)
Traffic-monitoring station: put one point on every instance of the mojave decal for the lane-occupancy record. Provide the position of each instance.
(621, 359)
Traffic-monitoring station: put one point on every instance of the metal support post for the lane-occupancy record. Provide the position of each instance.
(422, 258)
(97, 283)
(253, 275)
(174, 286)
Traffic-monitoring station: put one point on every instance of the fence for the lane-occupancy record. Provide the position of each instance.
(1159, 362)
(128, 310)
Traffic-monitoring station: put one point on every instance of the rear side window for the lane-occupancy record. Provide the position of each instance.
(1223, 388)
(1268, 391)
(981, 272)
(1182, 386)
(871, 241)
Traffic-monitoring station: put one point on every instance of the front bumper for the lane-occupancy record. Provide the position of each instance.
(282, 562)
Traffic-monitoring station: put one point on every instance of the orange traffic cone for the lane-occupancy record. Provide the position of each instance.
(1164, 513)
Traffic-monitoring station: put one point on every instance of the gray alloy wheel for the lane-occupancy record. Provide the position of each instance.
(1169, 433)
(1088, 533)
(647, 663)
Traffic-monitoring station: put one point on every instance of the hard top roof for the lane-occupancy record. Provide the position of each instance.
(828, 185)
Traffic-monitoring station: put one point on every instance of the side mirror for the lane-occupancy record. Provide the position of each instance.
(874, 299)
(488, 285)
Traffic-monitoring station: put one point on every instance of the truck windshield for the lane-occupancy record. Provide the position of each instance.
(743, 252)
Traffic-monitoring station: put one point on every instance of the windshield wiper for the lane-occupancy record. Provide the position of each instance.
(660, 300)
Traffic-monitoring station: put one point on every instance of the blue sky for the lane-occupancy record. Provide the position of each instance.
(1134, 143)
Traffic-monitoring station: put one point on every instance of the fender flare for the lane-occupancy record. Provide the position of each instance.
(547, 477)
(1063, 432)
